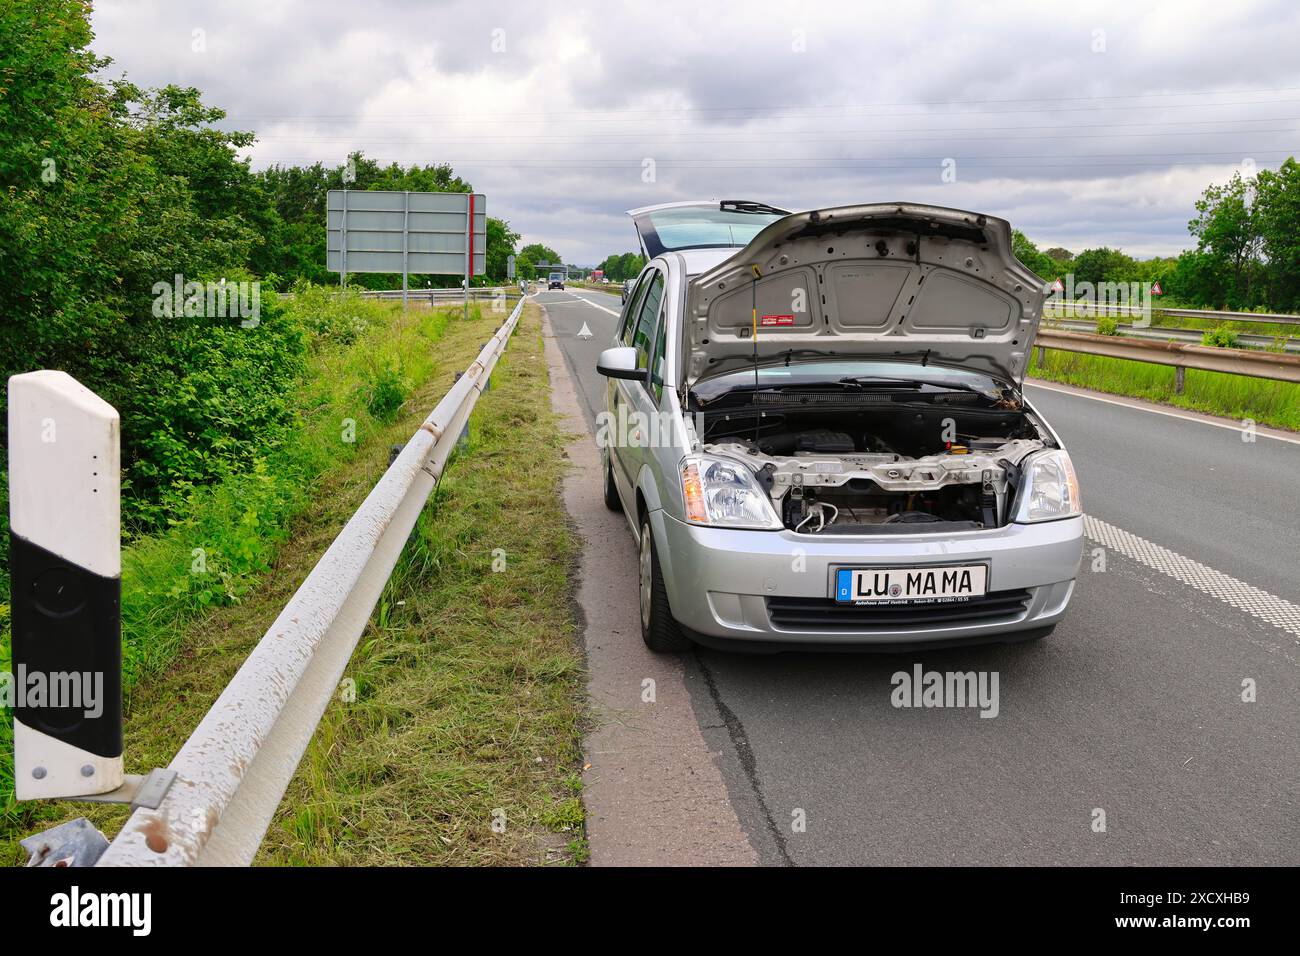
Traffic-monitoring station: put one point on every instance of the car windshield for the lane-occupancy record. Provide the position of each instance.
(841, 372)
(701, 227)
(557, 276)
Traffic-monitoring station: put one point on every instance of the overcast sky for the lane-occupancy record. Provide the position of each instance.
(1084, 124)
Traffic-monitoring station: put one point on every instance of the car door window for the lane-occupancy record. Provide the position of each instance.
(631, 310)
(643, 337)
(657, 363)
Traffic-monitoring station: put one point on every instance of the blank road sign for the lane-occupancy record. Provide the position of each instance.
(410, 232)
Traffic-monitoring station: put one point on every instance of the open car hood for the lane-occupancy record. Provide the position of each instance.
(872, 281)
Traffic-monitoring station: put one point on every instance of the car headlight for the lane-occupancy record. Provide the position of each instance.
(725, 493)
(1049, 488)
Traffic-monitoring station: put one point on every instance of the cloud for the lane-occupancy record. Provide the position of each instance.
(1083, 126)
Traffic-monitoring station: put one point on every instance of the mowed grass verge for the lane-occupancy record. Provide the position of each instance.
(394, 776)
(1264, 401)
(463, 745)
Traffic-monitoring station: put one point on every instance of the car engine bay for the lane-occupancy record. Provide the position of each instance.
(872, 467)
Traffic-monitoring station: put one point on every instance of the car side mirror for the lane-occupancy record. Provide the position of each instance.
(619, 362)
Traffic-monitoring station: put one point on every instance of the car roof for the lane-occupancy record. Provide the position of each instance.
(654, 207)
(702, 260)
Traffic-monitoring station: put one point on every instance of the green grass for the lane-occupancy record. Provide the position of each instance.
(235, 529)
(1232, 396)
(468, 684)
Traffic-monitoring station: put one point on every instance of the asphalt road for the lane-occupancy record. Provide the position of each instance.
(1132, 707)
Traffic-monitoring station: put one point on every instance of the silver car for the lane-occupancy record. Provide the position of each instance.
(816, 429)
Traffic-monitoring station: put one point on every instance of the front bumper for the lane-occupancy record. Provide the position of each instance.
(728, 585)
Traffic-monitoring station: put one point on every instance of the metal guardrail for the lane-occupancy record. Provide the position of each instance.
(235, 767)
(1093, 308)
(440, 295)
(437, 296)
(1179, 355)
(1267, 318)
(1161, 333)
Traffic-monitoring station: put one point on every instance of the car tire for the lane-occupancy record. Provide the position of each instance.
(660, 631)
(612, 500)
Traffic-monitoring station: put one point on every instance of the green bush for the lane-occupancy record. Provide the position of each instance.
(1220, 337)
(1108, 325)
(385, 392)
(202, 402)
(329, 316)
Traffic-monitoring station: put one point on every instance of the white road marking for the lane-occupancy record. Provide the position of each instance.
(1187, 417)
(593, 304)
(1245, 597)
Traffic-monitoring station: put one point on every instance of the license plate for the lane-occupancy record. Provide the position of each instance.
(912, 585)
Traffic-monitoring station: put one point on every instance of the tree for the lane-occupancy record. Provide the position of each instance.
(534, 253)
(618, 267)
(110, 190)
(500, 247)
(1227, 229)
(1024, 250)
(1103, 265)
(70, 188)
(1277, 207)
(630, 264)
(1059, 254)
(100, 203)
(1198, 278)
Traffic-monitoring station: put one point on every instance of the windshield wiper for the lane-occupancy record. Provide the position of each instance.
(963, 387)
(877, 381)
(750, 388)
(999, 393)
(745, 205)
(841, 385)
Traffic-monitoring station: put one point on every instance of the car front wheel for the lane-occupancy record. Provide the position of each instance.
(612, 501)
(661, 633)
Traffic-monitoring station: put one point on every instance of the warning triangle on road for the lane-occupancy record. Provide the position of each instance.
(584, 332)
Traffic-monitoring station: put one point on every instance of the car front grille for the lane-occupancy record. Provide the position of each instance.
(824, 614)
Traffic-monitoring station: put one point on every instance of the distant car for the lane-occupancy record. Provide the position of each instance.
(556, 281)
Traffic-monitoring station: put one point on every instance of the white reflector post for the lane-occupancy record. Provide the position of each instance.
(66, 569)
